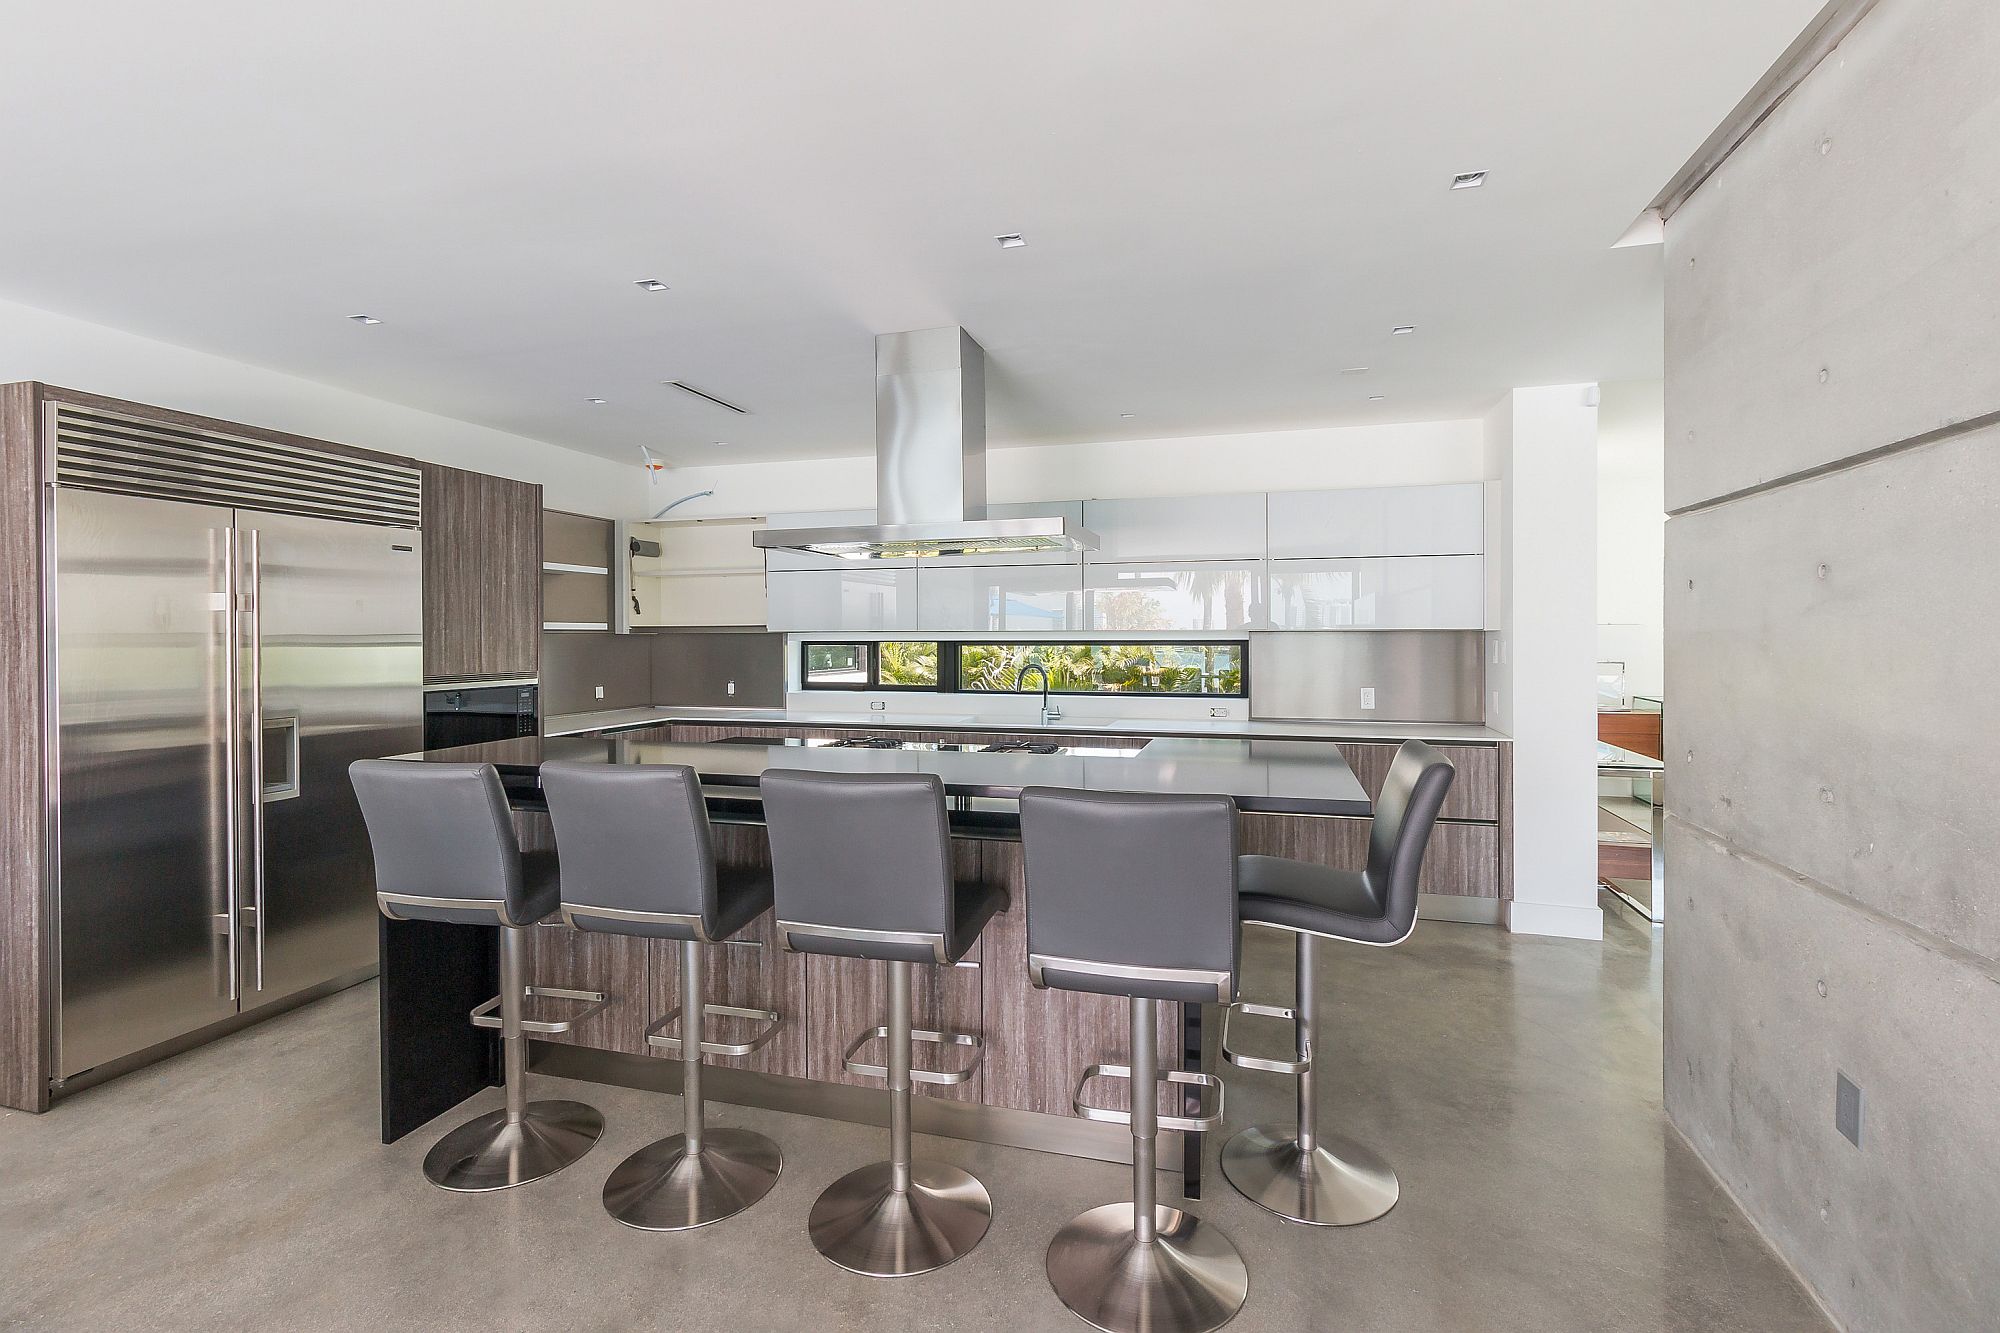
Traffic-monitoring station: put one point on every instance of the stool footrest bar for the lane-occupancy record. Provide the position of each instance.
(593, 1001)
(944, 1078)
(1208, 1119)
(1258, 1062)
(771, 1019)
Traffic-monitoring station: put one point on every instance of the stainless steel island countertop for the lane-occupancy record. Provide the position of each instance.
(1274, 776)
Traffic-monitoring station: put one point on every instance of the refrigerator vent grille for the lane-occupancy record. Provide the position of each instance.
(106, 451)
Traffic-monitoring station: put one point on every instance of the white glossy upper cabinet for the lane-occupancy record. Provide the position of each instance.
(1178, 528)
(1378, 520)
(973, 599)
(871, 595)
(1200, 595)
(1395, 592)
(823, 518)
(1069, 509)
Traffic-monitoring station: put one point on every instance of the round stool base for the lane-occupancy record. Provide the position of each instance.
(1338, 1184)
(1189, 1279)
(865, 1227)
(487, 1153)
(661, 1188)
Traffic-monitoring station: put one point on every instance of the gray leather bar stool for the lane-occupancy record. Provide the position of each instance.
(863, 866)
(1135, 895)
(445, 851)
(1302, 1174)
(637, 860)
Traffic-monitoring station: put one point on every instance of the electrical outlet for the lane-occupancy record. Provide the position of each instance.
(732, 688)
(878, 705)
(1847, 1108)
(599, 691)
(1367, 696)
(1218, 712)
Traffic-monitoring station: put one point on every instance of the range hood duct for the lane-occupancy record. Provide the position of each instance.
(930, 464)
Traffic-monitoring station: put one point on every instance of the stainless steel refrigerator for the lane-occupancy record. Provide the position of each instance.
(215, 668)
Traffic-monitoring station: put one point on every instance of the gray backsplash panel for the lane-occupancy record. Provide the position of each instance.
(697, 667)
(575, 662)
(1410, 676)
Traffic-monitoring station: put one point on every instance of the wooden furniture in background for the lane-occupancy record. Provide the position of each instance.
(482, 575)
(1637, 732)
(576, 571)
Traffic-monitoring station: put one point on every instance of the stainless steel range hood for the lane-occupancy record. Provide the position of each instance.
(930, 464)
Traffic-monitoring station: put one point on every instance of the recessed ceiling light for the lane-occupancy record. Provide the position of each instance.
(1013, 240)
(1402, 329)
(650, 285)
(597, 402)
(1377, 397)
(1468, 180)
(1127, 416)
(1355, 370)
(364, 319)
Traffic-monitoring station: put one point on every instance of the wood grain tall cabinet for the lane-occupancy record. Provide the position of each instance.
(482, 576)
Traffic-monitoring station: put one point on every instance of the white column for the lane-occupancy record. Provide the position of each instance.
(1541, 659)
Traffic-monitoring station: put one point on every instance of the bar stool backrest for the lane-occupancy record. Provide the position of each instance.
(1412, 795)
(1132, 893)
(442, 836)
(865, 857)
(635, 847)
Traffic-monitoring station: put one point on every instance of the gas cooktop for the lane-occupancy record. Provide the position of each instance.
(895, 743)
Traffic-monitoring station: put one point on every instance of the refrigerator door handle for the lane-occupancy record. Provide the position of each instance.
(254, 784)
(288, 787)
(232, 803)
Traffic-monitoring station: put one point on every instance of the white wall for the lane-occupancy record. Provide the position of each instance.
(1631, 529)
(1543, 445)
(1410, 454)
(37, 345)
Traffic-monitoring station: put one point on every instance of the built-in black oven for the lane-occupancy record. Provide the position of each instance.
(466, 715)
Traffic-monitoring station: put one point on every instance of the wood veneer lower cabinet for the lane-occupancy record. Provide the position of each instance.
(1038, 1042)
(1462, 861)
(1475, 788)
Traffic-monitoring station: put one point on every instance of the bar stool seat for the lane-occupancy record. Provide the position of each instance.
(1093, 858)
(445, 851)
(1304, 1175)
(864, 870)
(639, 861)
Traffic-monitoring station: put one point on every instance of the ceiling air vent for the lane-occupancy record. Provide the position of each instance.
(708, 397)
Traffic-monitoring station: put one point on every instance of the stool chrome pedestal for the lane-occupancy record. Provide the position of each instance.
(524, 1140)
(702, 1174)
(1143, 1265)
(1305, 1176)
(898, 1218)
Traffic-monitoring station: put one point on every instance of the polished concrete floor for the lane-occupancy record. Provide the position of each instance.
(1514, 1082)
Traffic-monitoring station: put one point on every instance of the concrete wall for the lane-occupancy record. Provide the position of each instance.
(1631, 530)
(1833, 613)
(38, 345)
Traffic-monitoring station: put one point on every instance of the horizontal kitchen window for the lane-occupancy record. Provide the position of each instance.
(1185, 669)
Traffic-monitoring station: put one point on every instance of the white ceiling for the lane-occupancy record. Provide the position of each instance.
(1226, 204)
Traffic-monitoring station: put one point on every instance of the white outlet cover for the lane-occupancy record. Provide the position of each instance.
(1367, 696)
(599, 691)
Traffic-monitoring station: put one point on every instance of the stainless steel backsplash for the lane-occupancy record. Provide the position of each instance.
(1417, 675)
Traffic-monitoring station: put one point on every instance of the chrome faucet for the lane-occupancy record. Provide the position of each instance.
(1049, 711)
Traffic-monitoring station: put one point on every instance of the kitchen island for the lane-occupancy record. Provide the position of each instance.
(1037, 1042)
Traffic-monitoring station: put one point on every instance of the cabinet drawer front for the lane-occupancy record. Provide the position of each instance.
(1462, 860)
(1378, 520)
(1396, 592)
(1475, 787)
